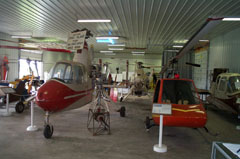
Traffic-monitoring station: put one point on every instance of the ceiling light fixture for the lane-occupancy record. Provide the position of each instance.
(111, 54)
(231, 19)
(177, 46)
(138, 52)
(116, 44)
(107, 37)
(106, 51)
(171, 50)
(115, 48)
(94, 20)
(21, 36)
(180, 41)
(204, 40)
(105, 41)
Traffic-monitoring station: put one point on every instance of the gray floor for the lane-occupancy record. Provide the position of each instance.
(128, 139)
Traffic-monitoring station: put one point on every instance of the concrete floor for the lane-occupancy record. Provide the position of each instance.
(128, 139)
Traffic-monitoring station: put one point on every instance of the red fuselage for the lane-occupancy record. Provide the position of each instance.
(187, 109)
(55, 96)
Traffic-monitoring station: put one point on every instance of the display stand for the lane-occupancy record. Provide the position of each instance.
(161, 148)
(161, 109)
(7, 113)
(5, 91)
(32, 127)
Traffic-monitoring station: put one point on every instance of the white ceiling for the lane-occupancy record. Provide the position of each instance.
(151, 24)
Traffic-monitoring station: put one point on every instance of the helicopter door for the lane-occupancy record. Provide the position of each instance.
(221, 88)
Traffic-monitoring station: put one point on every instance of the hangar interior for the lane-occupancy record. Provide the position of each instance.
(137, 42)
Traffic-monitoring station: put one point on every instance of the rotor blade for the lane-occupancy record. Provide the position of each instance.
(206, 27)
(193, 64)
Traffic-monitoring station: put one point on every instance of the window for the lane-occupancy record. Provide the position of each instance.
(234, 84)
(222, 84)
(63, 72)
(24, 68)
(79, 75)
(179, 92)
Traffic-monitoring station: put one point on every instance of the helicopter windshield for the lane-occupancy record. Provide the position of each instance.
(179, 92)
(234, 84)
(62, 72)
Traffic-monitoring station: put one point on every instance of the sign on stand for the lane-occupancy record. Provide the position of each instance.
(161, 109)
(76, 40)
(164, 109)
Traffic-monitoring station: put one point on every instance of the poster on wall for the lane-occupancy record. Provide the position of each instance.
(200, 73)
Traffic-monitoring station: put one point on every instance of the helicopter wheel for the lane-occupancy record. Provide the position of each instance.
(19, 108)
(147, 123)
(48, 131)
(122, 111)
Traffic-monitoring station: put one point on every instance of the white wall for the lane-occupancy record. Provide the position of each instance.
(225, 51)
(12, 55)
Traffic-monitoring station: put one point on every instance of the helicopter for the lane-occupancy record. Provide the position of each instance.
(139, 82)
(71, 84)
(225, 90)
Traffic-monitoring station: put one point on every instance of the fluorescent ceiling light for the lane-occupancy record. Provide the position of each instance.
(178, 46)
(204, 40)
(104, 41)
(138, 52)
(111, 54)
(106, 51)
(180, 41)
(116, 44)
(171, 50)
(21, 36)
(115, 48)
(94, 20)
(107, 37)
(231, 19)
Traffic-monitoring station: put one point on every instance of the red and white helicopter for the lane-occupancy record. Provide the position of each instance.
(69, 86)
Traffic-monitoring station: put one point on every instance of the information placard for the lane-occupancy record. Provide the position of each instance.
(165, 109)
(76, 40)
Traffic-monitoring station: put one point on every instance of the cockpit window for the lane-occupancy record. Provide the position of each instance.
(157, 90)
(222, 84)
(79, 74)
(63, 72)
(179, 92)
(234, 84)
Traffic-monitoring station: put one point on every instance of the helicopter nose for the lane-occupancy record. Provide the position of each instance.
(47, 95)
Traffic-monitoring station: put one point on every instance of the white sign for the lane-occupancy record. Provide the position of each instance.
(76, 40)
(165, 109)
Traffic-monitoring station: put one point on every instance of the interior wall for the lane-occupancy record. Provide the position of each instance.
(185, 71)
(12, 54)
(225, 51)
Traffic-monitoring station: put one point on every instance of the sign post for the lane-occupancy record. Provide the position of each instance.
(32, 127)
(161, 109)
